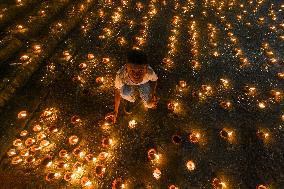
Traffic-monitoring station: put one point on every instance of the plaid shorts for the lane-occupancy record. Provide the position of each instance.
(130, 93)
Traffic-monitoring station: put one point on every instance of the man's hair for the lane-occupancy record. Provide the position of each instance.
(137, 57)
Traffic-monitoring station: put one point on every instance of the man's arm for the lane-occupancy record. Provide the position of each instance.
(117, 99)
(153, 85)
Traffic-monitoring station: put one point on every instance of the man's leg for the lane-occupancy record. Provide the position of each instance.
(145, 94)
(127, 93)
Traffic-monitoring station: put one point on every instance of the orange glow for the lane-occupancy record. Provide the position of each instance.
(190, 165)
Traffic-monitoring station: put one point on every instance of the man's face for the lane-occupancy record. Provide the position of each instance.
(136, 72)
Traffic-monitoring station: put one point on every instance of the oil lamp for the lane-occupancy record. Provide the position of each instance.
(176, 139)
(153, 155)
(182, 83)
(132, 124)
(118, 184)
(218, 184)
(89, 157)
(85, 182)
(261, 105)
(172, 106)
(82, 65)
(24, 133)
(73, 139)
(29, 141)
(261, 187)
(263, 135)
(68, 176)
(24, 152)
(35, 148)
(52, 176)
(194, 137)
(190, 165)
(75, 119)
(61, 164)
(173, 187)
(90, 56)
(22, 114)
(226, 133)
(157, 174)
(280, 75)
(30, 159)
(103, 155)
(276, 95)
(76, 151)
(11, 152)
(106, 142)
(63, 153)
(106, 60)
(78, 166)
(37, 48)
(53, 129)
(16, 160)
(40, 136)
(100, 80)
(100, 170)
(37, 128)
(250, 91)
(227, 105)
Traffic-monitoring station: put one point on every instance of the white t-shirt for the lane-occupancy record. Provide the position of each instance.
(122, 77)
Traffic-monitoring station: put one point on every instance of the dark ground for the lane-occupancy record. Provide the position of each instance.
(244, 161)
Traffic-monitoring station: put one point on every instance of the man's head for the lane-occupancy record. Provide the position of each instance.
(136, 65)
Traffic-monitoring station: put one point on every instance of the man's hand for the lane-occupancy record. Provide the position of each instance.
(154, 100)
(111, 117)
